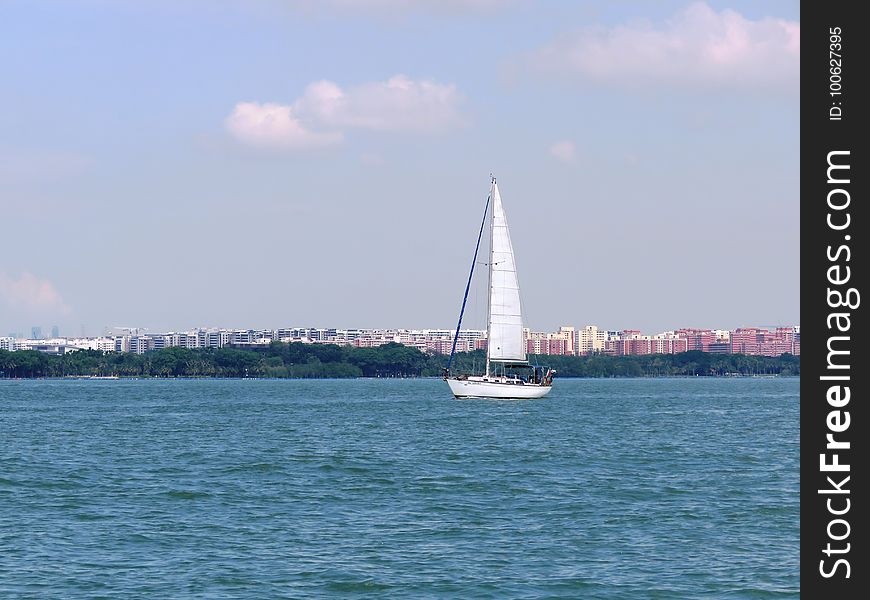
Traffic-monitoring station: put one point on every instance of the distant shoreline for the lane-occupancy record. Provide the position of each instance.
(327, 361)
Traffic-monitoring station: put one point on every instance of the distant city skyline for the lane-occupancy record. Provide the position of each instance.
(37, 331)
(568, 340)
(165, 164)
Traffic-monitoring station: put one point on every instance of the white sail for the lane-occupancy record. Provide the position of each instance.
(505, 316)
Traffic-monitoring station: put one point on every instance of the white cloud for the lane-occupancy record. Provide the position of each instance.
(32, 294)
(564, 150)
(325, 110)
(274, 125)
(398, 104)
(696, 47)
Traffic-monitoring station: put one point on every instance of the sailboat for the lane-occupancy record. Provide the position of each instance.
(508, 373)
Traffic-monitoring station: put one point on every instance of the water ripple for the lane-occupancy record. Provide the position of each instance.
(366, 489)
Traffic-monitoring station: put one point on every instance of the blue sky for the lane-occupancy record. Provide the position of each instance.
(275, 163)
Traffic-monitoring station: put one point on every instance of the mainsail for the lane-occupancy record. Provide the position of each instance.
(505, 316)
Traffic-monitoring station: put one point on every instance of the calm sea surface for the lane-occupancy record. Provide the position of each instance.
(643, 488)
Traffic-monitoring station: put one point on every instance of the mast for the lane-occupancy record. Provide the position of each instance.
(489, 279)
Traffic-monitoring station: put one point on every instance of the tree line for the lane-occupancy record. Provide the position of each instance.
(321, 361)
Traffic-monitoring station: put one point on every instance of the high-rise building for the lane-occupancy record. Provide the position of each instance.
(36, 332)
(55, 331)
(590, 340)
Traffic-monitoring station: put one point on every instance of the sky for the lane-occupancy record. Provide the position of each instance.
(277, 163)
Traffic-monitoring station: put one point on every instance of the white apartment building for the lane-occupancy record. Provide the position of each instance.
(102, 344)
(122, 343)
(140, 344)
(590, 340)
(184, 339)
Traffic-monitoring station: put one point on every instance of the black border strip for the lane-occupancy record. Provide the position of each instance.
(834, 228)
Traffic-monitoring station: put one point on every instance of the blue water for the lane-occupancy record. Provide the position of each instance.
(644, 488)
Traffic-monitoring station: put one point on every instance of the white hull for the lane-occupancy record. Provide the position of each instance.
(475, 387)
